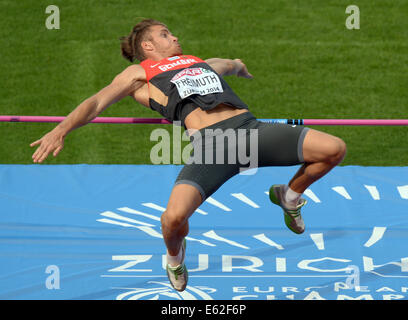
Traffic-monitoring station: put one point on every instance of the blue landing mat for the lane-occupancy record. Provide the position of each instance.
(93, 232)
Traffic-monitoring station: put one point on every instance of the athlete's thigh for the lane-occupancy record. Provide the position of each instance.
(319, 146)
(206, 178)
(184, 200)
(280, 144)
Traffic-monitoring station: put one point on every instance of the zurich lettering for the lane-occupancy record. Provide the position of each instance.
(230, 263)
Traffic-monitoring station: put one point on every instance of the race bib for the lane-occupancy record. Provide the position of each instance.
(196, 81)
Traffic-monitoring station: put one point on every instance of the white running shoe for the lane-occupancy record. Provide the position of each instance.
(293, 218)
(178, 276)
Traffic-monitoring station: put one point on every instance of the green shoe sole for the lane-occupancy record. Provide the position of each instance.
(288, 216)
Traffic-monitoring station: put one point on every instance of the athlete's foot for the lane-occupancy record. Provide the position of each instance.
(178, 275)
(293, 218)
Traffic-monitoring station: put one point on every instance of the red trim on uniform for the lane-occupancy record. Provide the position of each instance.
(153, 68)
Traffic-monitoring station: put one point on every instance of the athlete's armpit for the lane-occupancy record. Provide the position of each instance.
(141, 95)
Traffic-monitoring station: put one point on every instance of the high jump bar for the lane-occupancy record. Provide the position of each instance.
(307, 122)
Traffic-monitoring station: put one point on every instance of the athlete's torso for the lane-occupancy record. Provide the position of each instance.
(180, 85)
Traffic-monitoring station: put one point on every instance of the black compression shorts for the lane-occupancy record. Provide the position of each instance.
(228, 147)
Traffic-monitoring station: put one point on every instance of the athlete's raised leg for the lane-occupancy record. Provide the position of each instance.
(321, 153)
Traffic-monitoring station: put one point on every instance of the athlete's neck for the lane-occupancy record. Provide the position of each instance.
(158, 57)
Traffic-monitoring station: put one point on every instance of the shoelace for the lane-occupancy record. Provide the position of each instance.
(178, 271)
(295, 212)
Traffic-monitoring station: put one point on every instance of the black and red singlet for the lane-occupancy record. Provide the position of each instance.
(186, 83)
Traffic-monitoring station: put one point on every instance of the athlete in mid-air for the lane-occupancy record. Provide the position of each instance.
(193, 91)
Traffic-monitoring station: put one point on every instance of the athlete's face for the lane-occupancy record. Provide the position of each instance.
(163, 42)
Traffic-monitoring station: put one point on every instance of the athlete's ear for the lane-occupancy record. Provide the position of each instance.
(147, 46)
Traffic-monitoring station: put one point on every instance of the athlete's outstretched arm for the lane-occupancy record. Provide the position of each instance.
(228, 67)
(124, 84)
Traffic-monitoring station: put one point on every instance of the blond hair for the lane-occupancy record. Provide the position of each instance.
(131, 45)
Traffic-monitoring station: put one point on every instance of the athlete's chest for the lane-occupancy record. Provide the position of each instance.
(154, 68)
(186, 75)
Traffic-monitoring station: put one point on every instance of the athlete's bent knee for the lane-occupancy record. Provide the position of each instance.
(337, 151)
(172, 220)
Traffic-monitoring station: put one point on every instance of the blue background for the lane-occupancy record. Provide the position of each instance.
(51, 216)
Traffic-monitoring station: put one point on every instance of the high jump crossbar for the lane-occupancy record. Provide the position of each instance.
(307, 122)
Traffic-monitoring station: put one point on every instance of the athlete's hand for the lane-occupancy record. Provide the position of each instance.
(242, 69)
(53, 141)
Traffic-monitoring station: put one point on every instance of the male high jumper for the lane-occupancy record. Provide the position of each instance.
(193, 91)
